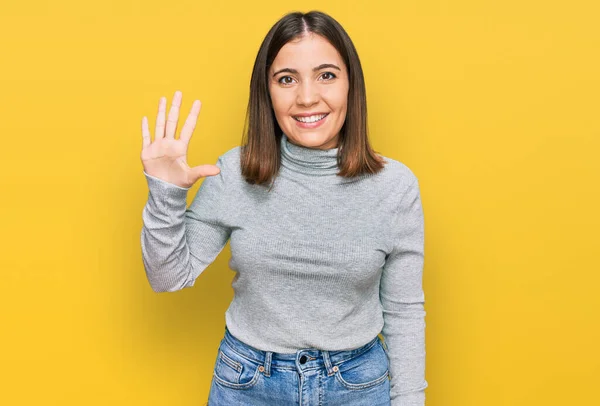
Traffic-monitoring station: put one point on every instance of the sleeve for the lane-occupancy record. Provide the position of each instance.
(402, 299)
(179, 243)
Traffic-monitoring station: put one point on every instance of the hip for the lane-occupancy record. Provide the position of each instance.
(244, 375)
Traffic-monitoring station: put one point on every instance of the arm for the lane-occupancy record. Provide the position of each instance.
(179, 243)
(402, 298)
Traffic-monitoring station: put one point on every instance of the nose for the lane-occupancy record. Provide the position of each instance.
(308, 94)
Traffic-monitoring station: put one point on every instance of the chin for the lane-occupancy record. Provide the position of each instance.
(310, 141)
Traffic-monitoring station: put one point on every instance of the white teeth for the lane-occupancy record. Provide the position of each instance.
(310, 119)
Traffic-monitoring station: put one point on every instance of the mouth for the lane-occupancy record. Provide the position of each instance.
(310, 120)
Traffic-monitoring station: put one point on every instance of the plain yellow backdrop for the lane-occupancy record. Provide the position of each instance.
(493, 105)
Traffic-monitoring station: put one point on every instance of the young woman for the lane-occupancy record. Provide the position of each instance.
(327, 237)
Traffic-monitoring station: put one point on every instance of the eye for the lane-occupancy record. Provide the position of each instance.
(283, 77)
(282, 81)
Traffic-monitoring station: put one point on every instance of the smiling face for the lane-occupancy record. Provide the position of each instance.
(309, 77)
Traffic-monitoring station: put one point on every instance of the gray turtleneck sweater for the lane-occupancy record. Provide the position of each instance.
(320, 261)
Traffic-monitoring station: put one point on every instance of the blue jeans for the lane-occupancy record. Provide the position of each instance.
(246, 376)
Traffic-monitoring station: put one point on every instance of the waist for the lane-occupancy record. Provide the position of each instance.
(308, 357)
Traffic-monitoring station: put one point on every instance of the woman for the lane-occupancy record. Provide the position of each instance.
(326, 236)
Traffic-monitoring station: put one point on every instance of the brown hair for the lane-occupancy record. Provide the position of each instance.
(260, 153)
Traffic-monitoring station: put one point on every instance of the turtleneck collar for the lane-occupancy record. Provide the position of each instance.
(309, 161)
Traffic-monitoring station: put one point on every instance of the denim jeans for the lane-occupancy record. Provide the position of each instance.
(247, 376)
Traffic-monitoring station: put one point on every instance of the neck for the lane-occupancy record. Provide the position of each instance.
(309, 161)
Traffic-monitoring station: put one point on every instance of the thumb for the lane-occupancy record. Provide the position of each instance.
(201, 171)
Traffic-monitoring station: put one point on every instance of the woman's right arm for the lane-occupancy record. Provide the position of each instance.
(179, 243)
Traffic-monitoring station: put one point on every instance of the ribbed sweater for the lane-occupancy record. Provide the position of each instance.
(320, 261)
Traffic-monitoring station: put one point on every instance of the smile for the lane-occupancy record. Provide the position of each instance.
(311, 122)
(311, 119)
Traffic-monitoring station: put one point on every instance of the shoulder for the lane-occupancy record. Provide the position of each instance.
(229, 161)
(397, 175)
(231, 156)
(403, 184)
(229, 164)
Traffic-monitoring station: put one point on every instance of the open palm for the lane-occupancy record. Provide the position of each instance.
(166, 157)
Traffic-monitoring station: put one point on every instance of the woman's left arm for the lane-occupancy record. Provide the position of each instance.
(402, 298)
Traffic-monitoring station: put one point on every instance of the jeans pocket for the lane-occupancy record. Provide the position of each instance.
(235, 371)
(365, 370)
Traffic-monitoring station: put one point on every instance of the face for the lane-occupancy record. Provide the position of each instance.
(308, 81)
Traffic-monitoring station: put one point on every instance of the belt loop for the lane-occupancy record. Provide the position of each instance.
(268, 357)
(327, 361)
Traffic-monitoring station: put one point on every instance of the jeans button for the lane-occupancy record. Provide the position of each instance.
(303, 359)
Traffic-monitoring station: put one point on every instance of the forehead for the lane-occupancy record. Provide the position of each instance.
(306, 52)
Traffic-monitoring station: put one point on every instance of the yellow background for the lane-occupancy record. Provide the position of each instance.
(494, 106)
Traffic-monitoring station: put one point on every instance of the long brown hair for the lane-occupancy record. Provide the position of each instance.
(260, 152)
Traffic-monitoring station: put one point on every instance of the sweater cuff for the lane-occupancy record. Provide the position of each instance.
(161, 188)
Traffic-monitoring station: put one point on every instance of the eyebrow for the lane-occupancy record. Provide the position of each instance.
(322, 66)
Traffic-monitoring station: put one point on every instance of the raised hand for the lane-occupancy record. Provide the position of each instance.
(165, 158)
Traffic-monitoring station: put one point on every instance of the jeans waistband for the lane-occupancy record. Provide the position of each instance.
(313, 358)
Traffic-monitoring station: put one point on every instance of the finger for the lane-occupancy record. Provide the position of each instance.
(160, 119)
(206, 170)
(173, 115)
(190, 122)
(145, 133)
